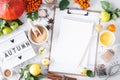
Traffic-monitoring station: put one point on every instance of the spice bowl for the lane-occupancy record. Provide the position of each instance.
(42, 38)
(8, 73)
(43, 13)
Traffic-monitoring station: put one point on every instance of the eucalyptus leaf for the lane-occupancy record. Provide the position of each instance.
(2, 23)
(26, 74)
(89, 73)
(114, 16)
(106, 6)
(63, 4)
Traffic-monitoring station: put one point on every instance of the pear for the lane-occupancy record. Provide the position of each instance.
(98, 27)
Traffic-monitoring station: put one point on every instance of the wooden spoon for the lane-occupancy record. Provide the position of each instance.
(35, 29)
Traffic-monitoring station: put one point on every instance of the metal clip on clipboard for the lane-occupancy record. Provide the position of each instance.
(77, 12)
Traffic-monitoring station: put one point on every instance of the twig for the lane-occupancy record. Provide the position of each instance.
(85, 51)
(20, 77)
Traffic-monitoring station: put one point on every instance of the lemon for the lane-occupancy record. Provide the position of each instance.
(104, 16)
(35, 69)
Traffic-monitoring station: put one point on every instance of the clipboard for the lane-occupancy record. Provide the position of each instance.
(68, 62)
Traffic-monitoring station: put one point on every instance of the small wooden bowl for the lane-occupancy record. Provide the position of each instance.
(8, 73)
(32, 37)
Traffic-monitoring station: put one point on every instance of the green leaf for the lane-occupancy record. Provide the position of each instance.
(19, 21)
(109, 9)
(2, 23)
(40, 76)
(21, 71)
(30, 78)
(89, 73)
(63, 4)
(27, 66)
(114, 16)
(106, 6)
(26, 74)
(118, 13)
(1, 33)
(36, 78)
(33, 15)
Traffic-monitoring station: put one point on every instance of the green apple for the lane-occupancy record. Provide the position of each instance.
(6, 30)
(42, 50)
(45, 61)
(83, 71)
(14, 25)
(104, 16)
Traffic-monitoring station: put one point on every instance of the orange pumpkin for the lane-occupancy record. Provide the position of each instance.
(11, 9)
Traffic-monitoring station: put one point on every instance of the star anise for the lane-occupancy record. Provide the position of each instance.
(48, 27)
(50, 21)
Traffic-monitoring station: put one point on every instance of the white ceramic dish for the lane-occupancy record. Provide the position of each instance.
(29, 36)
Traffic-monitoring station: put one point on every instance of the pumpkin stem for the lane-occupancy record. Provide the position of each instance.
(6, 5)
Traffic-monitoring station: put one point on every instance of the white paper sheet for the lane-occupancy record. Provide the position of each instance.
(72, 42)
(73, 39)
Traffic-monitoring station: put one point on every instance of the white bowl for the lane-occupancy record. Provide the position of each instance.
(113, 38)
(29, 36)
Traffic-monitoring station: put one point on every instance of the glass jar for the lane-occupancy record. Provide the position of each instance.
(101, 70)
